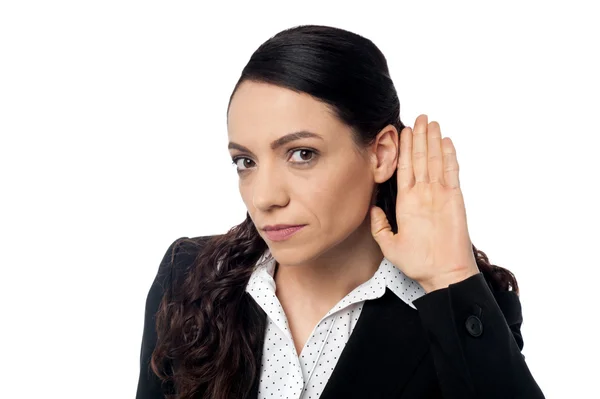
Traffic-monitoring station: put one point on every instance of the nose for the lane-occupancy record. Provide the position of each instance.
(269, 188)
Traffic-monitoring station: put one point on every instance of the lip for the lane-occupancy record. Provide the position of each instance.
(279, 234)
(280, 226)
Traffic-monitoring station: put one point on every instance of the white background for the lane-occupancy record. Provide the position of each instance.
(113, 145)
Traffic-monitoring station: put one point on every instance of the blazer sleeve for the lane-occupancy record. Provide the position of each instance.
(476, 342)
(149, 385)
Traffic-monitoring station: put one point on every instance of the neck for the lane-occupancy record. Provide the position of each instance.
(323, 282)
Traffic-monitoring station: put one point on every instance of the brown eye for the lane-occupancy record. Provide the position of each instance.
(246, 163)
(304, 155)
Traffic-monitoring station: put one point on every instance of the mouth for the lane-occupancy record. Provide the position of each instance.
(281, 232)
(280, 226)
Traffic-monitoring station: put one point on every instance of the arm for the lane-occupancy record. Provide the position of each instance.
(476, 341)
(149, 385)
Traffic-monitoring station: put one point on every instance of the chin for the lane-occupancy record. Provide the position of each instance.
(291, 254)
(304, 252)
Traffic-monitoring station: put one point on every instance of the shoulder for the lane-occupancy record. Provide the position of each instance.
(177, 260)
(175, 264)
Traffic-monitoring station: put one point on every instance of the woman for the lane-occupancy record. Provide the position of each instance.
(353, 275)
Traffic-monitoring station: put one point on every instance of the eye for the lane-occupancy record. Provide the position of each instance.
(304, 152)
(245, 164)
(305, 157)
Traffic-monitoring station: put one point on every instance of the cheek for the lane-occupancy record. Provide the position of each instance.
(245, 192)
(343, 200)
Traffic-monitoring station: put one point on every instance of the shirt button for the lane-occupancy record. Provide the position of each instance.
(474, 326)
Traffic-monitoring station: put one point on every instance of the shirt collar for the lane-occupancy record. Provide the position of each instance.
(386, 276)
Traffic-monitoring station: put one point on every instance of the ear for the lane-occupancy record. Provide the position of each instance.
(384, 154)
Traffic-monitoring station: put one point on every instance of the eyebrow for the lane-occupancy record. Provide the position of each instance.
(283, 140)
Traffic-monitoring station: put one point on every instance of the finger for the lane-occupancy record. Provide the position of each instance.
(381, 229)
(450, 163)
(406, 177)
(419, 153)
(435, 162)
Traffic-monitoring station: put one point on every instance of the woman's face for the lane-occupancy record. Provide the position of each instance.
(323, 182)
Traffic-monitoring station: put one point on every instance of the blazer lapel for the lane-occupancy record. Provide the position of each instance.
(387, 344)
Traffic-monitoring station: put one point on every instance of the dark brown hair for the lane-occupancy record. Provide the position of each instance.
(209, 329)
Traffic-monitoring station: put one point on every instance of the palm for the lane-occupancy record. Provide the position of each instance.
(431, 228)
(432, 238)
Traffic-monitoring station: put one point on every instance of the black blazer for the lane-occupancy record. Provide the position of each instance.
(462, 342)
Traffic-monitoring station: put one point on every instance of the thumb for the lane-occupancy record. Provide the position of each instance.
(380, 227)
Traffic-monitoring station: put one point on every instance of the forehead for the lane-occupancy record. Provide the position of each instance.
(266, 109)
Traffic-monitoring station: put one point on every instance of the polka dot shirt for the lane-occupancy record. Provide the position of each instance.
(288, 375)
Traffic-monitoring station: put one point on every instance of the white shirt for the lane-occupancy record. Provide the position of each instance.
(284, 374)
